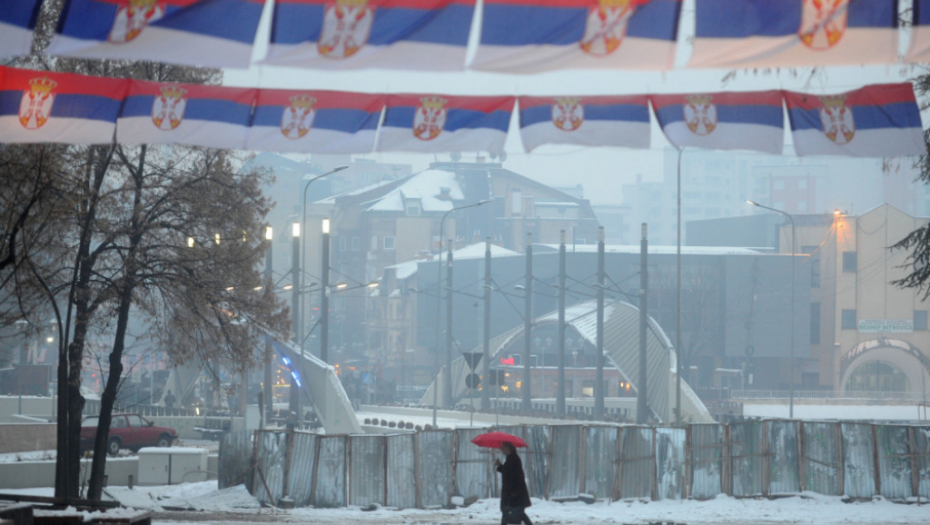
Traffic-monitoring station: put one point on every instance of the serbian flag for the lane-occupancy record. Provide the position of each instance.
(17, 20)
(39, 106)
(439, 123)
(210, 33)
(726, 121)
(919, 50)
(190, 114)
(315, 121)
(751, 33)
(430, 35)
(585, 121)
(875, 121)
(528, 36)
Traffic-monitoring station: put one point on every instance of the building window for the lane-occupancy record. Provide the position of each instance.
(848, 321)
(413, 210)
(802, 184)
(814, 252)
(356, 244)
(388, 242)
(815, 323)
(802, 206)
(849, 261)
(920, 320)
(779, 184)
(374, 242)
(343, 243)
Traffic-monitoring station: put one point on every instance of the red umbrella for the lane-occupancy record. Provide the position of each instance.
(494, 440)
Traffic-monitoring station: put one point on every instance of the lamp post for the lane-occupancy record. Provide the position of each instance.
(268, 375)
(303, 221)
(793, 251)
(296, 324)
(447, 377)
(324, 298)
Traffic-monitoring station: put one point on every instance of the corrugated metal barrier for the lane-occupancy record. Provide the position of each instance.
(426, 469)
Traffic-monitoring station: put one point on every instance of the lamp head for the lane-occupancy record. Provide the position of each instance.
(295, 229)
(326, 226)
(269, 233)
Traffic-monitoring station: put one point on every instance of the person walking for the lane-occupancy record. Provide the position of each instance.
(515, 498)
(169, 400)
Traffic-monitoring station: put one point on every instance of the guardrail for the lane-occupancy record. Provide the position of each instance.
(92, 408)
(829, 394)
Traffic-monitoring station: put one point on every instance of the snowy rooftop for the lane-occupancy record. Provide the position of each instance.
(658, 249)
(427, 187)
(472, 251)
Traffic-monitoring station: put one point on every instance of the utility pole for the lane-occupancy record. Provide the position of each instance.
(447, 373)
(294, 401)
(268, 377)
(599, 377)
(560, 394)
(486, 343)
(641, 388)
(527, 324)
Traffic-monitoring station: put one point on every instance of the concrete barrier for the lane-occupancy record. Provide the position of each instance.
(30, 474)
(26, 437)
(27, 405)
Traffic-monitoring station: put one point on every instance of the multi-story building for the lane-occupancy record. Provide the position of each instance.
(717, 184)
(867, 333)
(397, 221)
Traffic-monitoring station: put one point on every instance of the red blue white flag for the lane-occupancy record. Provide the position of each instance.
(750, 33)
(528, 36)
(190, 114)
(919, 50)
(211, 33)
(17, 20)
(429, 35)
(585, 121)
(39, 106)
(314, 121)
(726, 121)
(439, 123)
(875, 121)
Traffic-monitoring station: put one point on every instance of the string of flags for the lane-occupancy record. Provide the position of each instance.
(517, 36)
(37, 107)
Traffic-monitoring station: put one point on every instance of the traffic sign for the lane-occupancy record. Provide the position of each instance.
(472, 358)
(472, 380)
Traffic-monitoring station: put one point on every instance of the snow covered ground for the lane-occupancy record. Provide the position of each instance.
(836, 411)
(235, 505)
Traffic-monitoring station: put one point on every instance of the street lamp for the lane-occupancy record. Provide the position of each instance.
(448, 373)
(303, 219)
(793, 251)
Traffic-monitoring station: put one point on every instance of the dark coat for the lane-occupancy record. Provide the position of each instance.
(513, 483)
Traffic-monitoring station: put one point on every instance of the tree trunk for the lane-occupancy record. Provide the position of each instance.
(98, 466)
(79, 298)
(107, 400)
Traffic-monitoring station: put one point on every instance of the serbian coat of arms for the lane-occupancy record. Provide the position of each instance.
(36, 105)
(823, 23)
(700, 114)
(168, 108)
(346, 26)
(298, 117)
(605, 26)
(429, 118)
(132, 19)
(568, 113)
(837, 120)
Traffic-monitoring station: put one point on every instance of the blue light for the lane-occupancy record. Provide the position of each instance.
(286, 360)
(296, 377)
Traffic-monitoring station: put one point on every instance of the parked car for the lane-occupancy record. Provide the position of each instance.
(130, 431)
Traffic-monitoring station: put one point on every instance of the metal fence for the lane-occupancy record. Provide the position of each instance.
(426, 469)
